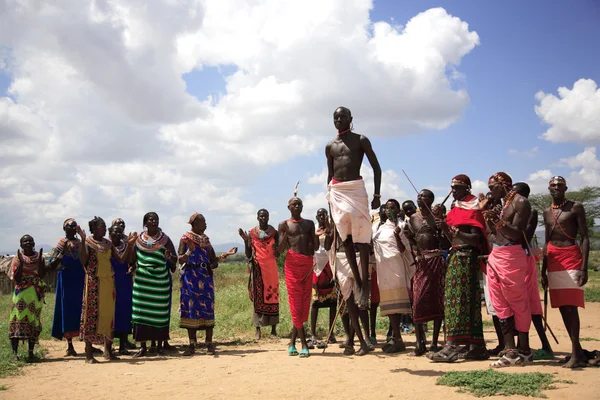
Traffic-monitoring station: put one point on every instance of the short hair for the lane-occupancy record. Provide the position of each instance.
(261, 210)
(113, 227)
(429, 193)
(323, 210)
(148, 215)
(395, 202)
(345, 109)
(24, 237)
(94, 223)
(522, 188)
(408, 202)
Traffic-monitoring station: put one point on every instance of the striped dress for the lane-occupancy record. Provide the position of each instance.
(151, 289)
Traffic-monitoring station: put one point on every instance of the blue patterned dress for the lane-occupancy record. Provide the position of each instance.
(197, 299)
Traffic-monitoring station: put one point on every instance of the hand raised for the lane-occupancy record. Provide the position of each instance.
(132, 238)
(376, 203)
(80, 231)
(243, 234)
(232, 251)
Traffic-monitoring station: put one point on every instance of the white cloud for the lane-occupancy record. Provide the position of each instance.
(531, 153)
(99, 120)
(573, 116)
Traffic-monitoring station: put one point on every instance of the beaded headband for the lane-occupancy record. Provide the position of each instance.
(557, 180)
(500, 177)
(68, 221)
(117, 220)
(457, 182)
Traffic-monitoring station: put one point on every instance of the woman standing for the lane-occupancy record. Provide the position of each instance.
(26, 272)
(70, 282)
(197, 300)
(151, 286)
(263, 286)
(98, 308)
(124, 288)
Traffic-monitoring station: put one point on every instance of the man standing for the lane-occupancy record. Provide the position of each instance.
(507, 270)
(428, 282)
(261, 248)
(466, 228)
(348, 199)
(298, 235)
(535, 302)
(565, 266)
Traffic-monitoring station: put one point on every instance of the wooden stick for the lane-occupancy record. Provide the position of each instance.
(342, 305)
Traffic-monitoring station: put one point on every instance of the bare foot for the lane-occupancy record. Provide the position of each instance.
(110, 357)
(576, 361)
(210, 349)
(91, 361)
(349, 351)
(418, 352)
(362, 351)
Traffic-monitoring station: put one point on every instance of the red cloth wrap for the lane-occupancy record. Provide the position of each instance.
(563, 265)
(474, 217)
(298, 267)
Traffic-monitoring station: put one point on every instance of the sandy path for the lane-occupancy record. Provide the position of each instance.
(264, 370)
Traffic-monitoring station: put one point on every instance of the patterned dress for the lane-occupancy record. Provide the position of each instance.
(197, 296)
(263, 283)
(98, 307)
(24, 322)
(463, 298)
(70, 282)
(151, 289)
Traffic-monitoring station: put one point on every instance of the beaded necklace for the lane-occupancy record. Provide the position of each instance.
(561, 205)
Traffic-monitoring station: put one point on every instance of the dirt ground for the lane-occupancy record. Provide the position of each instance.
(264, 370)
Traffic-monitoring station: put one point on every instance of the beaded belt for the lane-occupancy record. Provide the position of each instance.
(428, 256)
(196, 265)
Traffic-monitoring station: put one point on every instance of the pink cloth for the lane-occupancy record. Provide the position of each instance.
(531, 280)
(506, 283)
(298, 268)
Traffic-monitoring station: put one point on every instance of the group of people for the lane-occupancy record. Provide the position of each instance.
(410, 261)
(115, 287)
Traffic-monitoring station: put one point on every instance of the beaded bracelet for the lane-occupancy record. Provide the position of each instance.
(453, 230)
(500, 224)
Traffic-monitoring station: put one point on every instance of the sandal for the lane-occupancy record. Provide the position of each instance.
(373, 340)
(310, 343)
(123, 352)
(542, 354)
(304, 353)
(210, 348)
(448, 354)
(477, 354)
(349, 351)
(321, 345)
(507, 361)
(191, 350)
(332, 340)
(292, 351)
(396, 347)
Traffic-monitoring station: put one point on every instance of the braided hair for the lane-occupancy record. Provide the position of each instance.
(94, 223)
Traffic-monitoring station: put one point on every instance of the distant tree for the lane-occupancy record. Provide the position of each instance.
(589, 196)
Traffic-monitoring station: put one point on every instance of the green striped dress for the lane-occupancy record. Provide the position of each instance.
(151, 295)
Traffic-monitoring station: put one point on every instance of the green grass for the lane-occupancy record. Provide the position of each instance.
(2, 387)
(493, 383)
(589, 339)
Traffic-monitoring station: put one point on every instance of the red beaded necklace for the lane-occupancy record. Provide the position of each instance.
(341, 133)
(561, 205)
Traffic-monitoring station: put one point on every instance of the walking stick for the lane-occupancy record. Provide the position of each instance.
(342, 305)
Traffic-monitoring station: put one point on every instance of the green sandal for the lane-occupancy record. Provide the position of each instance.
(292, 351)
(542, 354)
(304, 353)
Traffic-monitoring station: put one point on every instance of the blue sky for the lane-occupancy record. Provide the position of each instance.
(64, 98)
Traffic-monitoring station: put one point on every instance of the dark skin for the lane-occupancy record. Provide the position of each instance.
(170, 254)
(571, 217)
(397, 345)
(70, 231)
(324, 228)
(263, 223)
(27, 245)
(466, 236)
(427, 237)
(344, 158)
(537, 320)
(116, 236)
(299, 237)
(515, 218)
(98, 234)
(198, 227)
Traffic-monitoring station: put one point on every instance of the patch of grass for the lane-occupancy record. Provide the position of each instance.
(589, 339)
(592, 294)
(493, 383)
(2, 387)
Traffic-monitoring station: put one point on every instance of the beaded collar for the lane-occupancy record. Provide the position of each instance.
(199, 240)
(151, 243)
(69, 245)
(102, 245)
(263, 235)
